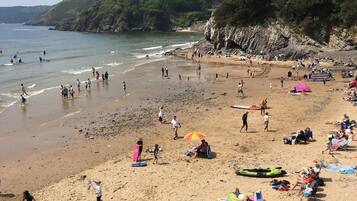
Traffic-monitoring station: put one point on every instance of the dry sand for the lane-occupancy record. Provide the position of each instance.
(179, 178)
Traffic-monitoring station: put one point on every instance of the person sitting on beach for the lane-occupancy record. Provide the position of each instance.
(301, 137)
(306, 176)
(308, 134)
(28, 197)
(201, 149)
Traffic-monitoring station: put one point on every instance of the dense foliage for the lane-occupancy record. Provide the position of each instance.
(64, 10)
(312, 17)
(20, 14)
(160, 15)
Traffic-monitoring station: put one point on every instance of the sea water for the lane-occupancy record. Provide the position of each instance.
(71, 55)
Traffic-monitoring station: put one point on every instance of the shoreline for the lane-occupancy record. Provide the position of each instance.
(209, 107)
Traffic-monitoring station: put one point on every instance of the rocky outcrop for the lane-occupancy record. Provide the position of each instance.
(271, 38)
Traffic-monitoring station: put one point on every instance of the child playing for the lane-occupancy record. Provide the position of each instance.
(156, 153)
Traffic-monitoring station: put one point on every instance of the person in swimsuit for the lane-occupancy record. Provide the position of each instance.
(140, 143)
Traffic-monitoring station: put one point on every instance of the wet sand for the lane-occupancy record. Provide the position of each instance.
(200, 106)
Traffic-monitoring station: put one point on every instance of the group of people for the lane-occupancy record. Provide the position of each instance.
(340, 139)
(309, 180)
(266, 119)
(300, 137)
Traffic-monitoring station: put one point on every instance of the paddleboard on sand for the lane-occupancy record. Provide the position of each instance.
(141, 164)
(252, 107)
(136, 153)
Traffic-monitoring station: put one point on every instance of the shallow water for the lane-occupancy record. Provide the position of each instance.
(71, 56)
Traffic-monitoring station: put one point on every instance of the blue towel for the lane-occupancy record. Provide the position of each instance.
(343, 169)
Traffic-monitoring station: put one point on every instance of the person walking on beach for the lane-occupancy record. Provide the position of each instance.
(167, 71)
(23, 89)
(263, 106)
(180, 77)
(98, 190)
(161, 115)
(271, 86)
(156, 153)
(106, 75)
(97, 75)
(27, 196)
(227, 75)
(124, 86)
(240, 89)
(245, 122)
(175, 126)
(78, 85)
(216, 75)
(71, 92)
(266, 121)
(282, 82)
(140, 143)
(162, 72)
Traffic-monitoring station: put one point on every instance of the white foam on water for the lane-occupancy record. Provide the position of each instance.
(72, 114)
(31, 86)
(154, 54)
(80, 71)
(183, 45)
(113, 64)
(153, 48)
(9, 64)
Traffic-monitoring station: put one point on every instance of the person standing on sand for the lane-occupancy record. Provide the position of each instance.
(245, 122)
(180, 77)
(106, 75)
(324, 81)
(27, 196)
(240, 89)
(175, 126)
(140, 143)
(156, 153)
(124, 86)
(161, 115)
(266, 121)
(23, 89)
(97, 75)
(216, 75)
(167, 71)
(162, 72)
(263, 106)
(282, 82)
(271, 86)
(227, 75)
(98, 190)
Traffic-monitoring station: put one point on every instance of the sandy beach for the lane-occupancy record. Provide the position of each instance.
(102, 140)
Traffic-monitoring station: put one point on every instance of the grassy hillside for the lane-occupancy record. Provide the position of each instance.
(146, 15)
(20, 14)
(67, 9)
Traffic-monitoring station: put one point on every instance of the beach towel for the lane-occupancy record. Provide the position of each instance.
(343, 169)
(140, 164)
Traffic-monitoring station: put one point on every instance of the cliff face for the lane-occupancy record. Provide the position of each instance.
(271, 37)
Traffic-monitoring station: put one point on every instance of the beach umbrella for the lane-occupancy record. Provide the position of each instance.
(194, 136)
(302, 87)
